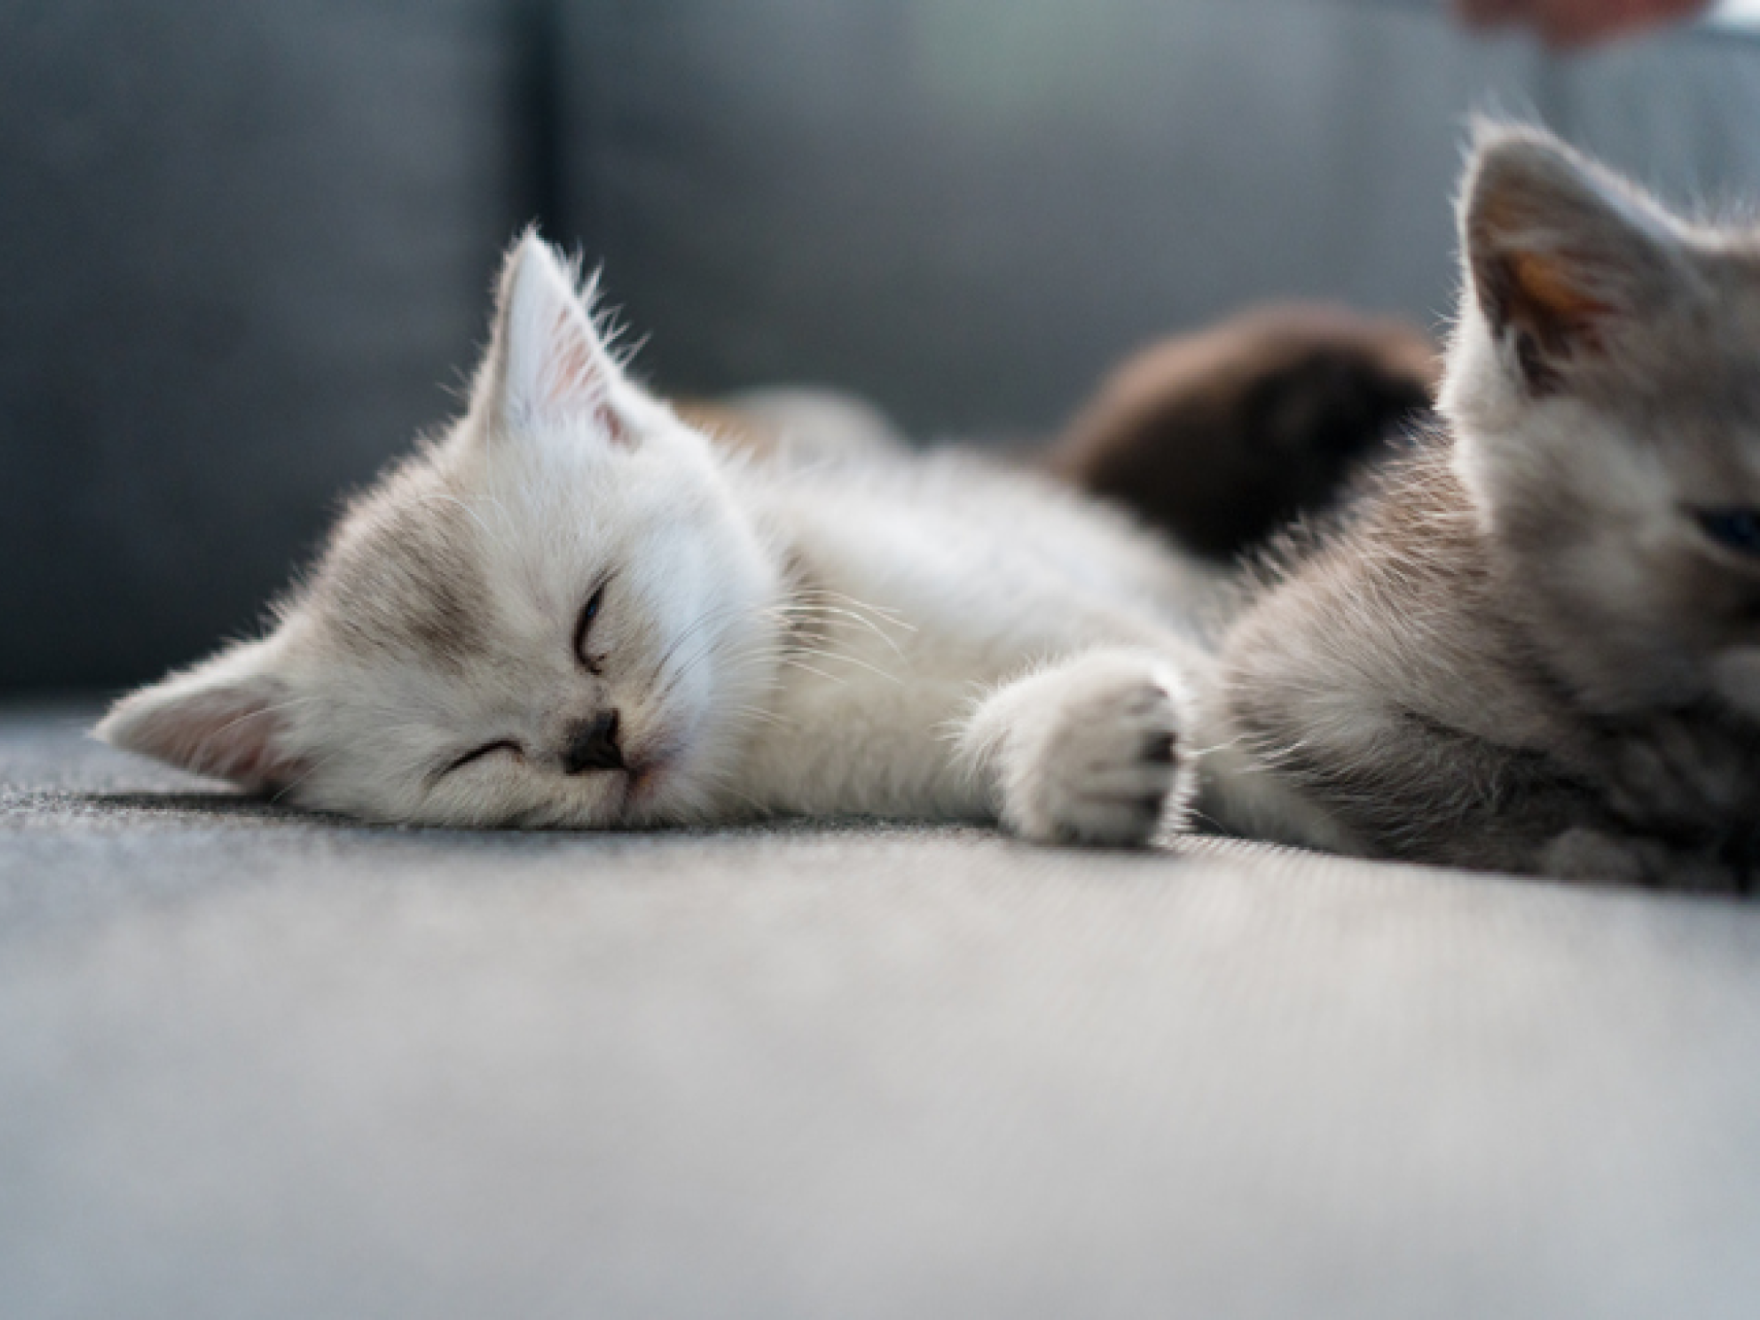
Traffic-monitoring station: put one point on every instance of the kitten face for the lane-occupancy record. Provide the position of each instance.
(556, 616)
(1604, 388)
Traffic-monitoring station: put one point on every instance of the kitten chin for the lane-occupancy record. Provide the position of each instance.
(1531, 645)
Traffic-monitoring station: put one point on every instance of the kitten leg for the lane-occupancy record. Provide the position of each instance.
(1087, 751)
(1679, 771)
(1582, 853)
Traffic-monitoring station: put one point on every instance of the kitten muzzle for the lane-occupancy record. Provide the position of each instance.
(593, 746)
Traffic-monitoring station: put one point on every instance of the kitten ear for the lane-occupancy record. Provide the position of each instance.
(223, 718)
(1563, 257)
(547, 361)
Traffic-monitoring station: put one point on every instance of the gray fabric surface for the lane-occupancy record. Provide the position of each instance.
(244, 250)
(258, 1064)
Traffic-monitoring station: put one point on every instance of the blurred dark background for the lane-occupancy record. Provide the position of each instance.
(245, 248)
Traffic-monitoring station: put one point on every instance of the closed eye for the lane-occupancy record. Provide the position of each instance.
(583, 630)
(478, 753)
(1736, 528)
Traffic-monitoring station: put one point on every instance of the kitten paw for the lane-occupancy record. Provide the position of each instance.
(1100, 760)
(1586, 854)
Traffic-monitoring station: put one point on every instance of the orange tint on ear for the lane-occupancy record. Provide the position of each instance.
(1559, 251)
(1544, 299)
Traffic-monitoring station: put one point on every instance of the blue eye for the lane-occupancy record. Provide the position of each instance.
(1734, 529)
(583, 628)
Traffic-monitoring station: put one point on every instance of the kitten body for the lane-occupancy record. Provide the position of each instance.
(576, 610)
(1534, 644)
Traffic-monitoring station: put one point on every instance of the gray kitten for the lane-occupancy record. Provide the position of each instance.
(1535, 645)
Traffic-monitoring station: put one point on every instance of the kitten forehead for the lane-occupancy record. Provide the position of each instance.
(402, 576)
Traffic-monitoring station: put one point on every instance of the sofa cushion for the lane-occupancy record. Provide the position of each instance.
(245, 249)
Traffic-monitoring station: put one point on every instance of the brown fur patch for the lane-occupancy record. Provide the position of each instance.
(1221, 437)
(729, 426)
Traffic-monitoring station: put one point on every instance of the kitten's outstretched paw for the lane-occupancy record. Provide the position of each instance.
(1100, 762)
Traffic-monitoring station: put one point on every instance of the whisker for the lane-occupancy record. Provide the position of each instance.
(442, 497)
(829, 678)
(279, 706)
(318, 763)
(885, 612)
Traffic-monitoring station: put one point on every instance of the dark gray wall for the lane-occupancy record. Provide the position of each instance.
(969, 209)
(245, 246)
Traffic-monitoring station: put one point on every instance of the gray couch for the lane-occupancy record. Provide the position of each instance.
(254, 1063)
(246, 248)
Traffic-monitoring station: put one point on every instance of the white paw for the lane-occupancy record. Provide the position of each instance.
(1099, 761)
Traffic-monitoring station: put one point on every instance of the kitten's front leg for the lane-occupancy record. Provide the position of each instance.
(1585, 853)
(1086, 751)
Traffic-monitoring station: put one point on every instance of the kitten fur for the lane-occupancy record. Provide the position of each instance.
(1222, 436)
(1535, 643)
(574, 610)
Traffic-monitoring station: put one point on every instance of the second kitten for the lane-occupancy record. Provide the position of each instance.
(1535, 645)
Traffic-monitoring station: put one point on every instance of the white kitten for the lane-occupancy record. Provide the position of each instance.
(576, 611)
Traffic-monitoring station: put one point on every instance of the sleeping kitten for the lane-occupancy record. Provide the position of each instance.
(1535, 645)
(576, 611)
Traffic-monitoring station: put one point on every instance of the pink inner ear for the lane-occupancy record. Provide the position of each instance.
(576, 377)
(227, 735)
(572, 376)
